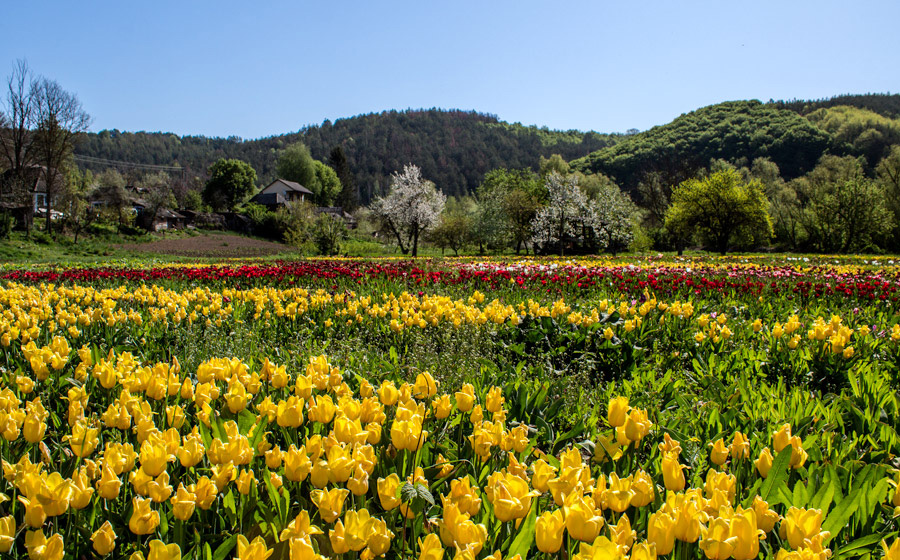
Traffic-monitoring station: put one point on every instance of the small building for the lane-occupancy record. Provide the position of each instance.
(164, 220)
(281, 192)
(338, 212)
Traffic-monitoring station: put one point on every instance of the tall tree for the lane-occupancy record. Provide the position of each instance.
(565, 217)
(60, 120)
(349, 197)
(327, 186)
(843, 209)
(18, 119)
(412, 206)
(296, 164)
(230, 181)
(722, 208)
(74, 201)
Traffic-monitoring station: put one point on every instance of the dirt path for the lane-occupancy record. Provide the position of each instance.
(213, 245)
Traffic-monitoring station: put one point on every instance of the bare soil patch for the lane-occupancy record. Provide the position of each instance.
(213, 245)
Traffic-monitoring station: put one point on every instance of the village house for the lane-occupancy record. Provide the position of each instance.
(281, 192)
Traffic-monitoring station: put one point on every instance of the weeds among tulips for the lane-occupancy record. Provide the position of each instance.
(734, 428)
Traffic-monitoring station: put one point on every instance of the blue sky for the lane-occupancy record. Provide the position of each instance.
(255, 69)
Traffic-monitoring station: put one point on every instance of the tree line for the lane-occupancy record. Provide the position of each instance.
(455, 148)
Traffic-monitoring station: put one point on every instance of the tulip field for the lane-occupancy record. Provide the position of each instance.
(438, 409)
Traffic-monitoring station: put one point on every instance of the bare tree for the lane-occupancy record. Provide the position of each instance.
(60, 119)
(18, 119)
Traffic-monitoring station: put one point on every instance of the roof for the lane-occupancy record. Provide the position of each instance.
(291, 185)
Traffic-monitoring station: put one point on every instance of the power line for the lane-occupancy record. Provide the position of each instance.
(116, 163)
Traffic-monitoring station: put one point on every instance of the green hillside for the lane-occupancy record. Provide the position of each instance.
(734, 131)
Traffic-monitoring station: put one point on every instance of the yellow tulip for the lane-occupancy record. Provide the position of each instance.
(289, 413)
(800, 526)
(379, 540)
(206, 492)
(601, 549)
(104, 539)
(619, 494)
(510, 496)
(301, 549)
(442, 407)
(582, 521)
(464, 495)
(617, 411)
(549, 529)
(330, 502)
(673, 472)
(35, 516)
(719, 453)
(764, 463)
(246, 481)
(338, 539)
(358, 484)
(430, 548)
(782, 438)
(256, 550)
(891, 552)
(543, 472)
(425, 386)
(388, 393)
(162, 551)
(143, 520)
(716, 542)
(83, 439)
(7, 533)
(494, 400)
(41, 548)
(643, 551)
(297, 464)
(183, 503)
(621, 533)
(465, 398)
(740, 447)
(642, 488)
(744, 528)
(766, 518)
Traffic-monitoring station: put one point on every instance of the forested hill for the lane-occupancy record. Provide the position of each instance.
(454, 148)
(734, 131)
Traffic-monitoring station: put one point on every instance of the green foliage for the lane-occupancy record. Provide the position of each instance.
(857, 131)
(722, 208)
(456, 224)
(6, 224)
(327, 233)
(349, 197)
(843, 209)
(327, 186)
(730, 131)
(296, 164)
(230, 182)
(884, 104)
(509, 201)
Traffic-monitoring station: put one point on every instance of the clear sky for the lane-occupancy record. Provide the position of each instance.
(255, 69)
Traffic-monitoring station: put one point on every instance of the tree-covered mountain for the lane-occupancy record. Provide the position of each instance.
(733, 131)
(454, 148)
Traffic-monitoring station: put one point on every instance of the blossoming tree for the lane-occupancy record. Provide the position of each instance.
(412, 206)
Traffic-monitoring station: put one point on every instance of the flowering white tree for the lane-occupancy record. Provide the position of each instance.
(614, 215)
(412, 206)
(570, 216)
(565, 216)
